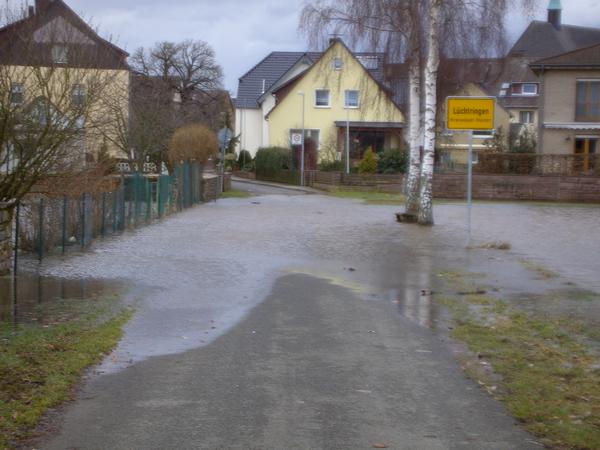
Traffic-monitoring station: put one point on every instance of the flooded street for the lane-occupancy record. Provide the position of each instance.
(229, 292)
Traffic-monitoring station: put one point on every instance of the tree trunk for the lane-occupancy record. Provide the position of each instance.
(414, 142)
(6, 215)
(425, 215)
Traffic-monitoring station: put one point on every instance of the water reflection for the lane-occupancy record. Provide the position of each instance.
(21, 297)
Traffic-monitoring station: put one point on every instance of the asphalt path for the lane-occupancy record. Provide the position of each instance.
(314, 366)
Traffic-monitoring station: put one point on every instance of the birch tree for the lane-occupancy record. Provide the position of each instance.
(425, 210)
(418, 32)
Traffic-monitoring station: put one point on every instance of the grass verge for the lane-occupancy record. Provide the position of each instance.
(40, 363)
(370, 197)
(235, 193)
(549, 380)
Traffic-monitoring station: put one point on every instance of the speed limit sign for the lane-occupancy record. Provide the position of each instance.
(296, 138)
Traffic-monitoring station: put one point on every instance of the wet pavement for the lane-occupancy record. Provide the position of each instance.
(201, 276)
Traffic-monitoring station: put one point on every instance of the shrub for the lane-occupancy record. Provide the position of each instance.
(368, 164)
(272, 159)
(244, 159)
(192, 143)
(391, 160)
(331, 166)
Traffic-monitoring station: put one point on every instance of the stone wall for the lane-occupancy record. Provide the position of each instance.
(211, 186)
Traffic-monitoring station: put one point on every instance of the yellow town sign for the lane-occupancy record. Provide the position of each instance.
(470, 113)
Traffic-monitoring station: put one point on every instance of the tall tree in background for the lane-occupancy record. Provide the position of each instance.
(417, 32)
(189, 67)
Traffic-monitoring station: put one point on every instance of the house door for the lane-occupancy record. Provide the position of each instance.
(588, 148)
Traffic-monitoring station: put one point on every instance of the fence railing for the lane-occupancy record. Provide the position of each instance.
(50, 224)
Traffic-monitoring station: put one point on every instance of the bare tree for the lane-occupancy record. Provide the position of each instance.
(51, 81)
(417, 32)
(189, 66)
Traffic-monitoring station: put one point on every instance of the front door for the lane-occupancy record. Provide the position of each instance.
(587, 147)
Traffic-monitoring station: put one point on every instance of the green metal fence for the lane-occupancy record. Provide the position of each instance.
(53, 225)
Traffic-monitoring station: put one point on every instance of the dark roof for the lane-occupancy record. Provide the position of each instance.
(18, 44)
(583, 57)
(542, 40)
(273, 67)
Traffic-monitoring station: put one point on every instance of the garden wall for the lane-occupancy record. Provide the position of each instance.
(519, 187)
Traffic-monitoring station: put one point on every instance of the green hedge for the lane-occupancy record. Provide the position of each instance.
(273, 158)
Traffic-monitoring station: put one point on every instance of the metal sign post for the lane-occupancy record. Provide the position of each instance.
(468, 114)
(224, 136)
(469, 184)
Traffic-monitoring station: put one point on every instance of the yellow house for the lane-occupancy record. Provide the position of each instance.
(452, 146)
(55, 67)
(336, 99)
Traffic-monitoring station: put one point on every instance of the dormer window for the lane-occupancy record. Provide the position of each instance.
(59, 54)
(524, 89)
(337, 63)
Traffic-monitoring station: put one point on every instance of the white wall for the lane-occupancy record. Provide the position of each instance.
(249, 122)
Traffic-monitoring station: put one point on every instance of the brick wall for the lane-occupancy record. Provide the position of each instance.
(518, 187)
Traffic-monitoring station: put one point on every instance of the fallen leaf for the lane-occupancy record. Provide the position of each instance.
(380, 446)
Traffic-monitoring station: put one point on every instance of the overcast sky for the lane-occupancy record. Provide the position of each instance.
(242, 32)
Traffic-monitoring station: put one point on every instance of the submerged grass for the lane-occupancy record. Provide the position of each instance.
(544, 272)
(235, 193)
(550, 381)
(40, 363)
(370, 197)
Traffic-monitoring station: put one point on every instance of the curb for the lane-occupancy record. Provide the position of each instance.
(277, 185)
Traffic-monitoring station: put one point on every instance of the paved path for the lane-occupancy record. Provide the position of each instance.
(288, 321)
(313, 367)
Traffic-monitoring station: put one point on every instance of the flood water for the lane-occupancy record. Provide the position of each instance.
(202, 270)
(22, 299)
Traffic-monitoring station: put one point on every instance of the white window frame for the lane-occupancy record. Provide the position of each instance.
(483, 134)
(338, 63)
(17, 89)
(328, 105)
(346, 104)
(522, 92)
(530, 113)
(78, 91)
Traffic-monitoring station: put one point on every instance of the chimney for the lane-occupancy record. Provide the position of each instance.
(42, 5)
(554, 13)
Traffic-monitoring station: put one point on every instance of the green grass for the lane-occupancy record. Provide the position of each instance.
(40, 363)
(234, 193)
(370, 197)
(550, 380)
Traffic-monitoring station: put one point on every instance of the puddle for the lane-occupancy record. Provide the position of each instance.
(26, 298)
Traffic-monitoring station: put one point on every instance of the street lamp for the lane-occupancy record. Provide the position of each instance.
(302, 151)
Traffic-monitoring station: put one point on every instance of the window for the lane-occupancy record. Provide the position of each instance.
(587, 107)
(322, 98)
(16, 93)
(78, 95)
(524, 89)
(337, 63)
(351, 99)
(59, 54)
(526, 117)
(483, 134)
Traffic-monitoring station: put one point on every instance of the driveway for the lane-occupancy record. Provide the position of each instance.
(289, 321)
